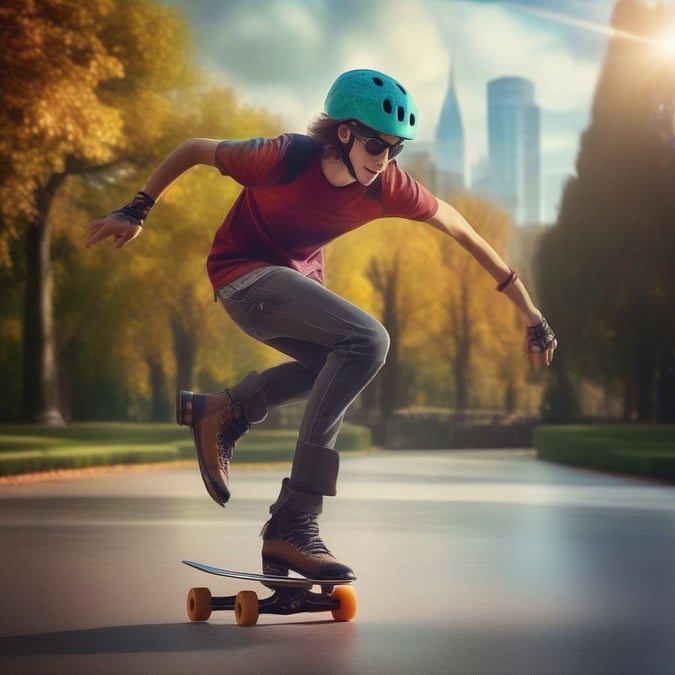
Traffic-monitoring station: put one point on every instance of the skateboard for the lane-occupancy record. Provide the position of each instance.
(291, 595)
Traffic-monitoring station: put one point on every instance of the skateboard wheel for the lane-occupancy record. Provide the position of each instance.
(246, 608)
(199, 604)
(347, 598)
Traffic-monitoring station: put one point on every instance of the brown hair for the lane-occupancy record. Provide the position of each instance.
(323, 129)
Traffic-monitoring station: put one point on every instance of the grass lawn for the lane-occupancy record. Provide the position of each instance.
(644, 450)
(32, 448)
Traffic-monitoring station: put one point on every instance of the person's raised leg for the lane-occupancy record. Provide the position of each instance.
(291, 309)
(217, 422)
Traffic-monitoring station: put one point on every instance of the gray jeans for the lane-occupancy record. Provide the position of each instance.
(336, 348)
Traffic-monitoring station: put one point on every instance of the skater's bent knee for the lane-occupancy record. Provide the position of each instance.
(375, 343)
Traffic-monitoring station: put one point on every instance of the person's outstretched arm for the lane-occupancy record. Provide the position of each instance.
(126, 223)
(540, 339)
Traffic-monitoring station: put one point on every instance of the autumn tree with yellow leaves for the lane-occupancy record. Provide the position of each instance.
(152, 313)
(171, 333)
(455, 342)
(88, 112)
(81, 93)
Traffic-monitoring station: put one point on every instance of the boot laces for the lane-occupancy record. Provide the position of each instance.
(232, 427)
(303, 533)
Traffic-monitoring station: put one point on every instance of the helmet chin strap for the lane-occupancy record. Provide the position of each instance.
(345, 149)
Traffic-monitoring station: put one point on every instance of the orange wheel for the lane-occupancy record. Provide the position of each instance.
(347, 609)
(246, 608)
(199, 604)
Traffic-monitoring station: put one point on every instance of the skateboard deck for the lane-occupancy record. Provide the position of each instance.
(291, 595)
(267, 579)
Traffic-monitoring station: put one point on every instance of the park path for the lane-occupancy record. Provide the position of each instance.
(468, 562)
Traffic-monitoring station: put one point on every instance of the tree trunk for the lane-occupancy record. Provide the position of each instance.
(40, 394)
(665, 401)
(389, 378)
(390, 375)
(462, 361)
(185, 349)
(510, 396)
(644, 386)
(160, 409)
(385, 283)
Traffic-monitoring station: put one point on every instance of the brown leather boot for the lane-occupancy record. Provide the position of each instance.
(217, 422)
(291, 539)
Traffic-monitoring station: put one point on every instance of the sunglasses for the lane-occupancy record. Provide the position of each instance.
(374, 145)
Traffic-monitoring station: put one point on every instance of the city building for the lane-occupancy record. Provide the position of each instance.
(449, 152)
(513, 171)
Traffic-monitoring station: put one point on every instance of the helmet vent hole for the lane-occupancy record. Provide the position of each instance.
(400, 113)
(386, 104)
(403, 91)
(378, 81)
(412, 120)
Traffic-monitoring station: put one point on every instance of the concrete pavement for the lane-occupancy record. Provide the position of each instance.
(468, 562)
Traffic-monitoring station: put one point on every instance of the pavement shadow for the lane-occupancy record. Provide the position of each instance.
(148, 638)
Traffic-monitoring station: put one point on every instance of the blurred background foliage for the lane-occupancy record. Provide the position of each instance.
(88, 112)
(606, 273)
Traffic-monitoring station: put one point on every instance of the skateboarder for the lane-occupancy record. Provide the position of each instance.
(299, 192)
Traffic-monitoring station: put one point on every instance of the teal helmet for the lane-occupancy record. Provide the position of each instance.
(374, 99)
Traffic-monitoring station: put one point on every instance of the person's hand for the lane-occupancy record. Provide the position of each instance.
(540, 343)
(122, 232)
(122, 225)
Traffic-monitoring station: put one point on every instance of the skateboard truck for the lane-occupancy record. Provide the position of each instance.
(291, 595)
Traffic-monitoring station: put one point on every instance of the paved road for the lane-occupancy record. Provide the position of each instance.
(468, 562)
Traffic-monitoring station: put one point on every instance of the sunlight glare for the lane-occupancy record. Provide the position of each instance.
(667, 45)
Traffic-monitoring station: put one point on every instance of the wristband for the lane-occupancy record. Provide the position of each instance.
(508, 281)
(136, 211)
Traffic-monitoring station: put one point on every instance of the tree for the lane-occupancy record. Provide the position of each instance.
(385, 276)
(454, 341)
(378, 268)
(73, 78)
(399, 251)
(483, 331)
(615, 223)
(153, 312)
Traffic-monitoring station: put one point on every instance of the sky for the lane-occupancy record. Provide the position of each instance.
(284, 54)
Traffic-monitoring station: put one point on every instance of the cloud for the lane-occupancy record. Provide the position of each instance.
(284, 54)
(491, 40)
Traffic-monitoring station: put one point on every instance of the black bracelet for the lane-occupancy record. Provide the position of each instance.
(511, 279)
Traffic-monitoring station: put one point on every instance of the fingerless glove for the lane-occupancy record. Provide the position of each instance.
(136, 211)
(540, 337)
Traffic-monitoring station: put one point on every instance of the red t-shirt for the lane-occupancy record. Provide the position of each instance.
(288, 224)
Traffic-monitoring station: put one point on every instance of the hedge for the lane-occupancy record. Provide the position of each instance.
(641, 450)
(30, 448)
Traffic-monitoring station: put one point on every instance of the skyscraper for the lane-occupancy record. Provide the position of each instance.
(449, 150)
(513, 148)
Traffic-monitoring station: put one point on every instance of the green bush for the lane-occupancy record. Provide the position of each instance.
(354, 437)
(641, 450)
(561, 401)
(31, 448)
